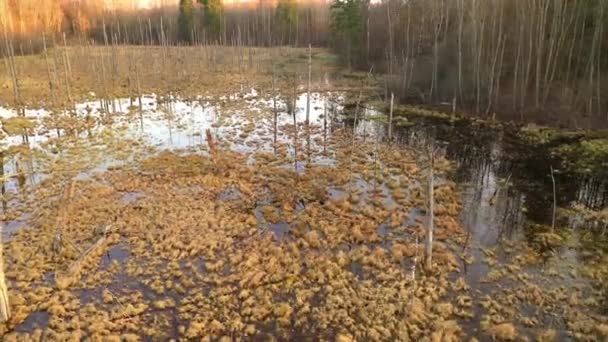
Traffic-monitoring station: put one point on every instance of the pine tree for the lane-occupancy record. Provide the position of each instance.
(213, 15)
(185, 20)
(347, 27)
(286, 15)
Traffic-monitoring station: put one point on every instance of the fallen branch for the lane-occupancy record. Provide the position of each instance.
(73, 273)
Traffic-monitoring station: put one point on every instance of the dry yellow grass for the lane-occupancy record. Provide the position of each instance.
(187, 71)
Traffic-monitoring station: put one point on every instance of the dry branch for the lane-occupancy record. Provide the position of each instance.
(74, 271)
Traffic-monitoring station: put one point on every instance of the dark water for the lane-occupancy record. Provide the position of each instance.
(36, 320)
(505, 182)
(507, 194)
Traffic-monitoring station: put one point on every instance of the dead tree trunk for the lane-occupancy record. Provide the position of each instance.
(11, 68)
(554, 201)
(352, 150)
(295, 127)
(324, 124)
(390, 118)
(212, 146)
(66, 70)
(308, 88)
(431, 210)
(48, 69)
(274, 109)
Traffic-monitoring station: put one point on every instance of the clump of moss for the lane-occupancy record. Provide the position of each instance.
(503, 332)
(585, 157)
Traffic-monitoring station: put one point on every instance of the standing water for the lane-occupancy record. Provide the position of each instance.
(341, 234)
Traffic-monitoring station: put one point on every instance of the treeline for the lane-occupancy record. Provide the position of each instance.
(533, 59)
(540, 59)
(261, 23)
(27, 18)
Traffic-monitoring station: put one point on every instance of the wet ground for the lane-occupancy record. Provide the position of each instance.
(502, 198)
(507, 194)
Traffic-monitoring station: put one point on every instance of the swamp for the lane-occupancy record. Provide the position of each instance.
(234, 192)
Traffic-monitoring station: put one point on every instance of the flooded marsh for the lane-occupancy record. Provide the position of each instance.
(211, 215)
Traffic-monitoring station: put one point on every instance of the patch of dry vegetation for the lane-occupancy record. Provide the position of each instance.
(135, 70)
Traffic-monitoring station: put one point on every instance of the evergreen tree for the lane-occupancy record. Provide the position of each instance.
(347, 27)
(185, 21)
(213, 16)
(286, 15)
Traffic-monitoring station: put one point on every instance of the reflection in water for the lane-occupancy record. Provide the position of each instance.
(35, 320)
(504, 181)
(506, 189)
(487, 157)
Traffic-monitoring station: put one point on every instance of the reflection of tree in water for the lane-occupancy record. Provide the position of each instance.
(20, 175)
(490, 208)
(489, 156)
(531, 165)
(486, 158)
(593, 192)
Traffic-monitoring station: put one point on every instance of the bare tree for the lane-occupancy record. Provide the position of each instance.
(390, 118)
(554, 201)
(431, 153)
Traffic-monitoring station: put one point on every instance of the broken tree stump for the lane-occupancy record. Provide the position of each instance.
(212, 146)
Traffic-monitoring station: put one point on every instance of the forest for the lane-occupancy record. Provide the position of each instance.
(535, 61)
(303, 170)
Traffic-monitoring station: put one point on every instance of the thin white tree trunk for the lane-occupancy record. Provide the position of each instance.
(324, 124)
(274, 109)
(390, 118)
(431, 213)
(309, 80)
(554, 201)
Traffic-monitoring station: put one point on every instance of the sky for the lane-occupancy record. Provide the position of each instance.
(146, 3)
